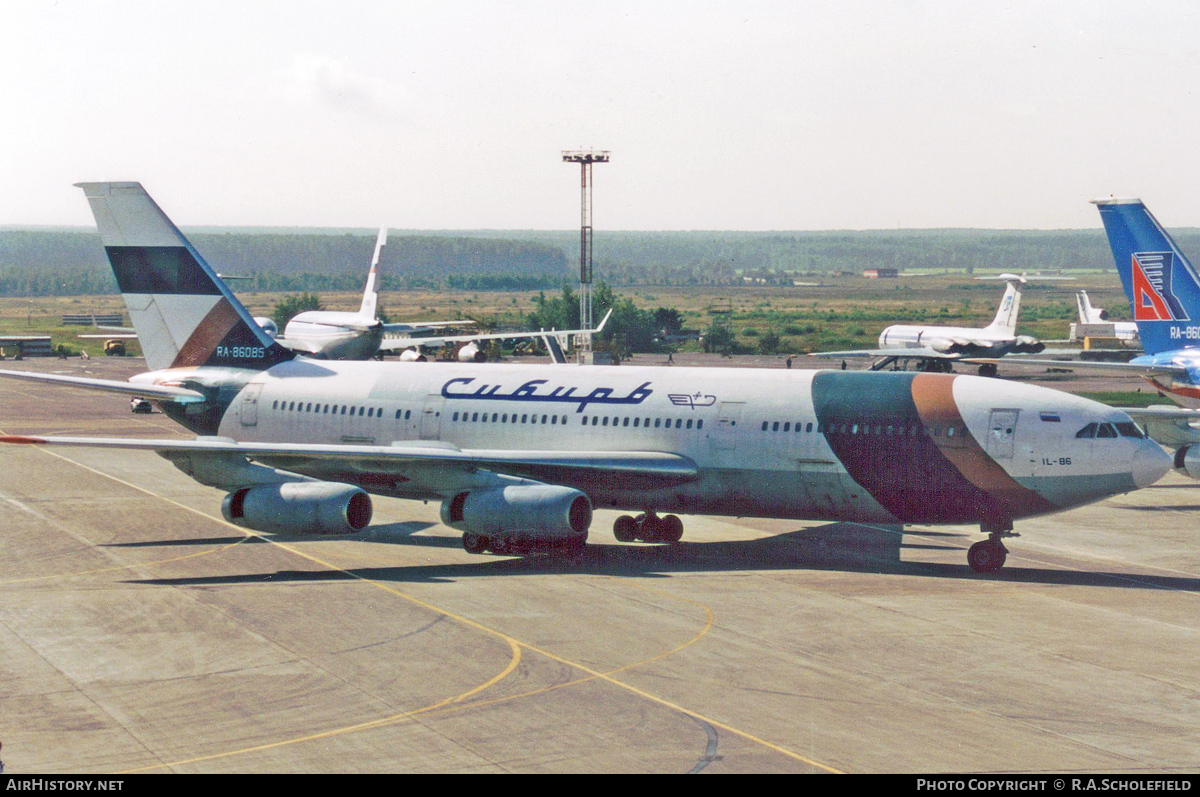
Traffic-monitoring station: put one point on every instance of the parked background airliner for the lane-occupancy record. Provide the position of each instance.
(519, 455)
(343, 335)
(1122, 330)
(939, 346)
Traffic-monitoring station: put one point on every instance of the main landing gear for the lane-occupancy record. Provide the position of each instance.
(648, 527)
(988, 556)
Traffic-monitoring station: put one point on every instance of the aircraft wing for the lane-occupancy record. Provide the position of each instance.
(1168, 426)
(179, 395)
(411, 326)
(1130, 369)
(392, 344)
(413, 460)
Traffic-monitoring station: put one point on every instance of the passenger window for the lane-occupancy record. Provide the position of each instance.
(407, 414)
(678, 422)
(635, 422)
(808, 427)
(625, 422)
(455, 418)
(775, 426)
(787, 427)
(605, 421)
(949, 431)
(764, 426)
(544, 419)
(689, 424)
(553, 419)
(1087, 432)
(657, 421)
(700, 424)
(525, 418)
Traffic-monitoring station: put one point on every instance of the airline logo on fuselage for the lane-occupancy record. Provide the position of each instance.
(530, 392)
(1153, 298)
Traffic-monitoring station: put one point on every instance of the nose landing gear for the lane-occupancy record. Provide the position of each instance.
(648, 527)
(988, 555)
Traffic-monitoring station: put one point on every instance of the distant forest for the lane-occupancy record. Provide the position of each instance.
(67, 261)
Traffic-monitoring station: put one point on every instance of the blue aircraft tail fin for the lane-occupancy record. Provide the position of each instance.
(1162, 286)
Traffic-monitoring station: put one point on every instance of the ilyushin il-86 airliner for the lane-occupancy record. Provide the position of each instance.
(520, 455)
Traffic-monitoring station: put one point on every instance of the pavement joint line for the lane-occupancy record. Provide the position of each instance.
(514, 643)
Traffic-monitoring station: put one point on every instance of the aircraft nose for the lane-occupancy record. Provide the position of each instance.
(1150, 464)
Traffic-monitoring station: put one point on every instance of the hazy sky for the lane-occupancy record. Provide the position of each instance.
(719, 115)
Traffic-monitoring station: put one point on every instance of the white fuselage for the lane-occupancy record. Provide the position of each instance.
(765, 443)
(336, 335)
(928, 337)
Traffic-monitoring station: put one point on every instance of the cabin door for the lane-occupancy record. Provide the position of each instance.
(249, 411)
(431, 419)
(1002, 430)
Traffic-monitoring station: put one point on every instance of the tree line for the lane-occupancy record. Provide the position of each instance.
(71, 261)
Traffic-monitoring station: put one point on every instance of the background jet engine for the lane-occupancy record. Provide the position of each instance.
(533, 512)
(299, 508)
(1187, 460)
(1025, 344)
(471, 353)
(268, 326)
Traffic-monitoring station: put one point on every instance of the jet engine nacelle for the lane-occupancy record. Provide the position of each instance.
(268, 326)
(299, 508)
(471, 354)
(412, 356)
(1187, 460)
(948, 345)
(535, 511)
(1026, 344)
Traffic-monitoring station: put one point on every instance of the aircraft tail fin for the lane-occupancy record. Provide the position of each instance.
(1010, 306)
(1161, 284)
(183, 313)
(370, 301)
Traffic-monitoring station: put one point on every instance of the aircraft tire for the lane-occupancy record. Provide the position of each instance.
(671, 529)
(625, 529)
(500, 546)
(474, 543)
(650, 529)
(987, 556)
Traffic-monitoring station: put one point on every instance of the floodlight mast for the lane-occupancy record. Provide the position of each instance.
(585, 159)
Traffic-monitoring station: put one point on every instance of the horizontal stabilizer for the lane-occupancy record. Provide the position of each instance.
(179, 395)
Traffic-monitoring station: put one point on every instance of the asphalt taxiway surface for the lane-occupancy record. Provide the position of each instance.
(140, 632)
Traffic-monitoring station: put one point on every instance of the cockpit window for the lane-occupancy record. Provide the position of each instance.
(1128, 429)
(1087, 432)
(1106, 430)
